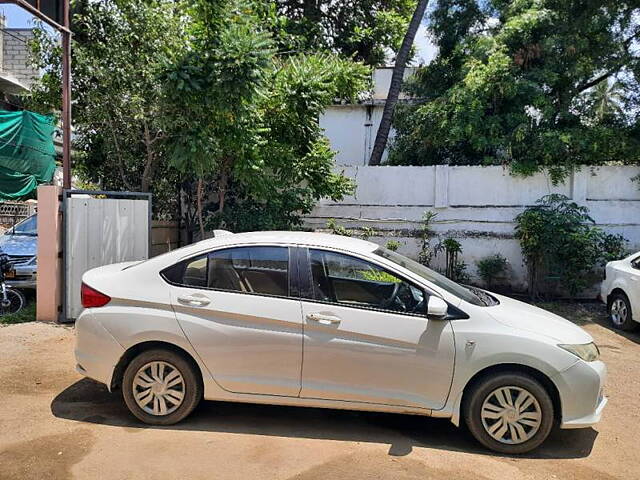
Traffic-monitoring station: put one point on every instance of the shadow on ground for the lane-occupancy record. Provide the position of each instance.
(89, 401)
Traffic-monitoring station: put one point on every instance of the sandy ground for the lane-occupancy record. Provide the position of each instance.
(54, 424)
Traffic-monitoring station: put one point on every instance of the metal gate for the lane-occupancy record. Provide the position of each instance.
(100, 228)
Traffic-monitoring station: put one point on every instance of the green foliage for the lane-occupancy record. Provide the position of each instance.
(393, 245)
(455, 268)
(378, 276)
(525, 84)
(171, 94)
(426, 254)
(560, 243)
(364, 30)
(491, 268)
(27, 314)
(118, 49)
(336, 229)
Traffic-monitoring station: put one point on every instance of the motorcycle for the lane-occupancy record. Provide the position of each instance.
(11, 300)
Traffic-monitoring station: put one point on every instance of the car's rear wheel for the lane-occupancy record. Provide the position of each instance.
(509, 412)
(161, 387)
(620, 312)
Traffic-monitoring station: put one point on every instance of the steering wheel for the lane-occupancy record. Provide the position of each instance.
(389, 301)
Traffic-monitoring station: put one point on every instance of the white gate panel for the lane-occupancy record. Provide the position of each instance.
(101, 231)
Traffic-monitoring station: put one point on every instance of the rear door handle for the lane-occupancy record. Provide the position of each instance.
(194, 300)
(323, 318)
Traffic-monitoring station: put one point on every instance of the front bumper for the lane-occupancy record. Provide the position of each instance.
(581, 389)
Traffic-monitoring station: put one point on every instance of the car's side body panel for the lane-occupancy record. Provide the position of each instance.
(377, 357)
(247, 349)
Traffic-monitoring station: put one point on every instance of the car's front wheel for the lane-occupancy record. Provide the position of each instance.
(620, 312)
(161, 387)
(509, 412)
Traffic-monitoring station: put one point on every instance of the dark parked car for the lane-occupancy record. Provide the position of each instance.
(20, 243)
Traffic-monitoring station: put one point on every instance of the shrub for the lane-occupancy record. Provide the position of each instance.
(491, 267)
(393, 245)
(559, 240)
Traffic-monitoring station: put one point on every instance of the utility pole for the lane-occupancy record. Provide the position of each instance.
(66, 97)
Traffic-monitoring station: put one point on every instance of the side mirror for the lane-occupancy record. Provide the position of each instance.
(436, 308)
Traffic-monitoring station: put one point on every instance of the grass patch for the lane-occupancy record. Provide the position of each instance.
(27, 314)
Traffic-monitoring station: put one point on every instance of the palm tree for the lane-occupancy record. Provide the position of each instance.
(396, 83)
(607, 98)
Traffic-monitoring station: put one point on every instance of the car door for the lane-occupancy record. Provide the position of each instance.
(366, 338)
(240, 310)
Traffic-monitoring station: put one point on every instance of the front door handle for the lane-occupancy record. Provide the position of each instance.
(194, 300)
(323, 318)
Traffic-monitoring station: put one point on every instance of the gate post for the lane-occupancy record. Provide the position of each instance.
(49, 277)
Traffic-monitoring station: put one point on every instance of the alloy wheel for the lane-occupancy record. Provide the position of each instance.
(618, 312)
(511, 415)
(158, 388)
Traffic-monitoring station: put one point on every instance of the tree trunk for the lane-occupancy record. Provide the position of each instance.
(199, 203)
(396, 83)
(147, 174)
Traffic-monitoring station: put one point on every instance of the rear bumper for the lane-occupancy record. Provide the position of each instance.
(96, 351)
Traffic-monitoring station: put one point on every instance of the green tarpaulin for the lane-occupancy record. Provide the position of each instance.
(27, 154)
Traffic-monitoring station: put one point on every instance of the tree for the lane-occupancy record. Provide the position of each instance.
(396, 83)
(608, 98)
(118, 49)
(364, 30)
(511, 82)
(244, 120)
(200, 97)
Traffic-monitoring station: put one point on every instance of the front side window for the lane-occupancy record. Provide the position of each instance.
(261, 270)
(343, 279)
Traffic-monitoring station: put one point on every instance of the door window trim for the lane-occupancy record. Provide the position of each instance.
(307, 292)
(293, 269)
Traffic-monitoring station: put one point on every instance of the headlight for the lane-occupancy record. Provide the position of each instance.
(587, 351)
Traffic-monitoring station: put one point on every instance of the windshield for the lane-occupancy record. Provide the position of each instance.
(433, 277)
(28, 226)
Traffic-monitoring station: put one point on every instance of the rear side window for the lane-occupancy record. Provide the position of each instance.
(261, 270)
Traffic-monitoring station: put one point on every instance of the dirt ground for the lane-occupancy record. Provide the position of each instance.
(55, 425)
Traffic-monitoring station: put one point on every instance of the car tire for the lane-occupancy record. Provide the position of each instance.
(620, 314)
(504, 421)
(161, 387)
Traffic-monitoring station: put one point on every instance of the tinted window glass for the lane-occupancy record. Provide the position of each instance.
(433, 277)
(348, 280)
(251, 269)
(263, 270)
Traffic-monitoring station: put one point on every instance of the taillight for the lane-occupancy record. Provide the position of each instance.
(92, 298)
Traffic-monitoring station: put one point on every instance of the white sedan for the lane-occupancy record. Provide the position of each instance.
(620, 290)
(310, 319)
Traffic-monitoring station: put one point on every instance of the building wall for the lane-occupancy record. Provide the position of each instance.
(15, 57)
(476, 205)
(351, 129)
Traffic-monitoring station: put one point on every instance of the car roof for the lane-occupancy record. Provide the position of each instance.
(316, 239)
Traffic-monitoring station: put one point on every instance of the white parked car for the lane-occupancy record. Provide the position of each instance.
(620, 290)
(310, 319)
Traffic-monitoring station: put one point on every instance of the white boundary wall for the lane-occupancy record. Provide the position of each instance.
(476, 205)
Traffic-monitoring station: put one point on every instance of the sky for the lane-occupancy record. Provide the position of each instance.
(16, 16)
(19, 18)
